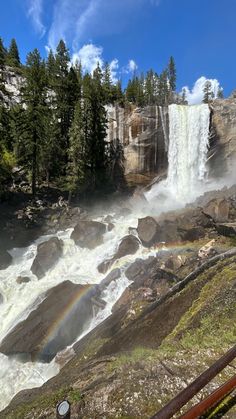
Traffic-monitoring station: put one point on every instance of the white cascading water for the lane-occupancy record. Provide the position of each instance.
(77, 265)
(187, 154)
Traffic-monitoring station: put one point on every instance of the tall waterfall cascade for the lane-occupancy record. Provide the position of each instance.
(188, 147)
(187, 154)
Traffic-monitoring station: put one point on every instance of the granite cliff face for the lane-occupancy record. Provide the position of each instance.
(144, 135)
(223, 129)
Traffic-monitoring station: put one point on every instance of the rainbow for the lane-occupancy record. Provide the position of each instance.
(55, 330)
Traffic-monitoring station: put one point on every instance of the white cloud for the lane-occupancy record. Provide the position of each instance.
(35, 11)
(195, 95)
(77, 22)
(132, 66)
(89, 56)
(114, 66)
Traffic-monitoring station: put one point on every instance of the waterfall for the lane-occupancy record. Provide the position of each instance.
(187, 154)
(188, 146)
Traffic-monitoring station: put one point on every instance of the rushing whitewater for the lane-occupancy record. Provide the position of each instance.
(187, 153)
(77, 265)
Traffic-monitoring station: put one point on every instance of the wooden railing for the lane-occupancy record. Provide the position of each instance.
(174, 406)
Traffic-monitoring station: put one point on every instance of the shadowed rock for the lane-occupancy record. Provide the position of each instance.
(5, 259)
(227, 229)
(88, 234)
(48, 253)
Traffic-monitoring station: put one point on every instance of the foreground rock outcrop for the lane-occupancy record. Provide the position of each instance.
(54, 324)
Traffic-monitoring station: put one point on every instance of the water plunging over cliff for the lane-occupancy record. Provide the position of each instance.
(188, 146)
(187, 153)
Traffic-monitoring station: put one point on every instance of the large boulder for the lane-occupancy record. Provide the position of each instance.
(128, 246)
(217, 210)
(88, 233)
(48, 253)
(5, 259)
(57, 321)
(148, 230)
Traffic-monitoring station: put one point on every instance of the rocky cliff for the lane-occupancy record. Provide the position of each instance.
(223, 129)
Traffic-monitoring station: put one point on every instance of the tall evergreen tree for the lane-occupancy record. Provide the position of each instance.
(13, 57)
(220, 93)
(34, 97)
(172, 74)
(107, 84)
(64, 86)
(207, 91)
(184, 97)
(3, 54)
(76, 169)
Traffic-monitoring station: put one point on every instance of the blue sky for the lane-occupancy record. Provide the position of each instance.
(200, 34)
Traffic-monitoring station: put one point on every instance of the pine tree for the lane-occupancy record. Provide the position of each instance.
(163, 89)
(76, 169)
(150, 88)
(220, 93)
(3, 55)
(184, 97)
(7, 159)
(107, 84)
(172, 74)
(51, 68)
(13, 58)
(207, 91)
(33, 128)
(64, 91)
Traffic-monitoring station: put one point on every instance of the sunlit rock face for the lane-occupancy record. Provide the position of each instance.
(143, 136)
(223, 133)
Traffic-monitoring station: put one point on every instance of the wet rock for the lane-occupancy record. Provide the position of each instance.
(110, 226)
(104, 266)
(22, 279)
(227, 229)
(5, 259)
(56, 322)
(128, 246)
(88, 233)
(48, 253)
(112, 276)
(148, 230)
